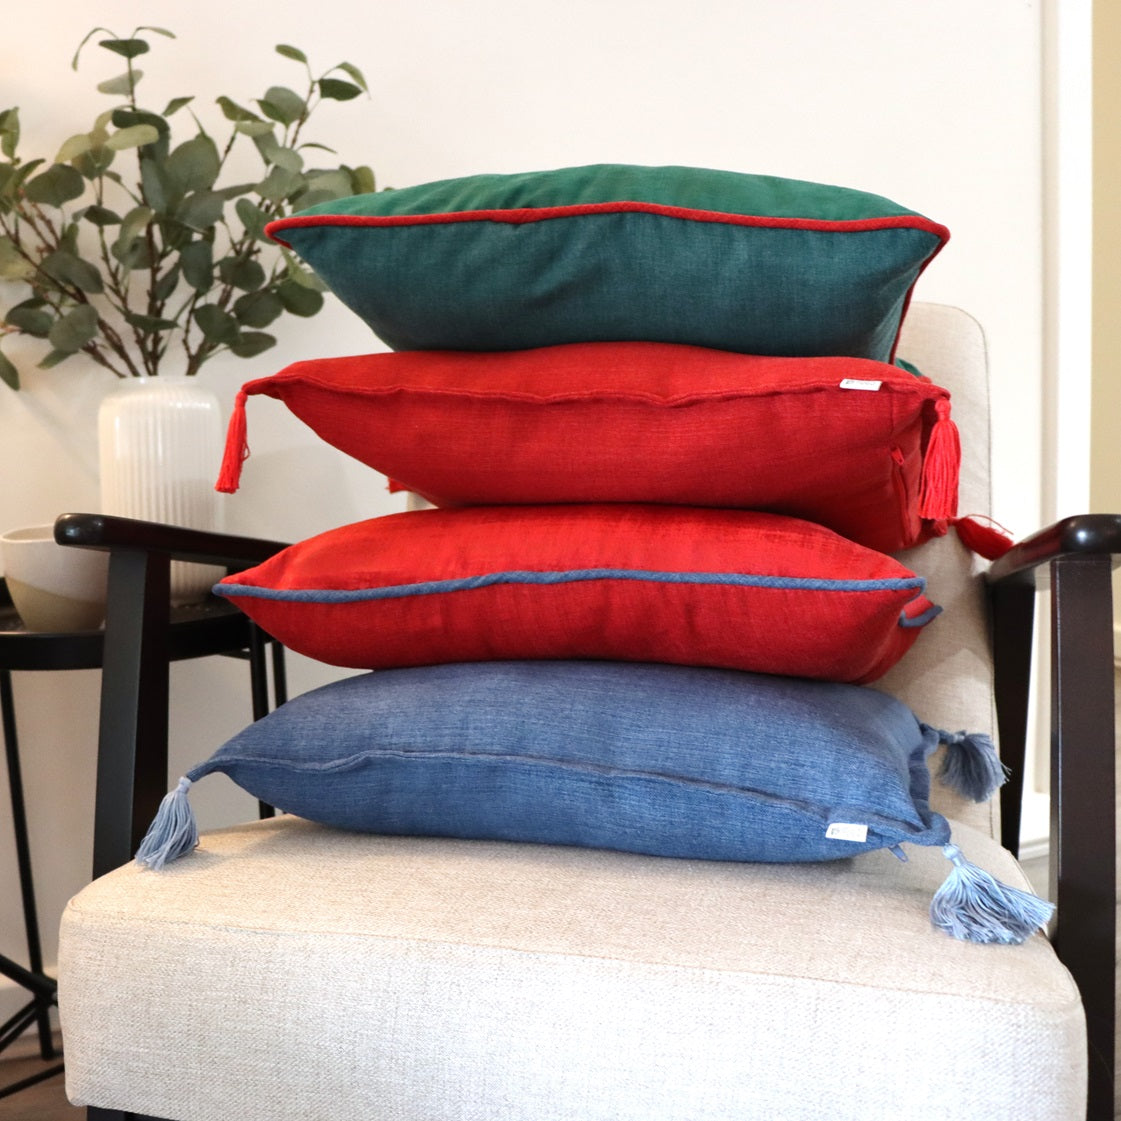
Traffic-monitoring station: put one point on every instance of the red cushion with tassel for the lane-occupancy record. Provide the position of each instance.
(862, 447)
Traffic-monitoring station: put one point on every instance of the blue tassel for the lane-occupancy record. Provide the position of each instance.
(971, 765)
(173, 831)
(974, 907)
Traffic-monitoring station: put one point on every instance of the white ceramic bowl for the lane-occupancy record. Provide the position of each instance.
(54, 587)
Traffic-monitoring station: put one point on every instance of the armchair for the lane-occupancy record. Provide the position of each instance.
(285, 970)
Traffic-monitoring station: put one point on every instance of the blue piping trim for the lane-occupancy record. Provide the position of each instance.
(442, 587)
(920, 620)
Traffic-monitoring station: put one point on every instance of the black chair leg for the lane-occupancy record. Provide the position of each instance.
(1083, 872)
(1013, 613)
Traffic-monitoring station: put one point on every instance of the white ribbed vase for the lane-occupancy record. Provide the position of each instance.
(160, 444)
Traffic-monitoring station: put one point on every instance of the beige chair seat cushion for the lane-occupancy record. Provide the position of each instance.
(446, 980)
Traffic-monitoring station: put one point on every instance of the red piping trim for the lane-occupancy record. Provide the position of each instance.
(519, 216)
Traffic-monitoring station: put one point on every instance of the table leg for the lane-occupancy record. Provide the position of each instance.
(23, 861)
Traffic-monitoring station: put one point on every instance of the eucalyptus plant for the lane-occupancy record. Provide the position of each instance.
(131, 247)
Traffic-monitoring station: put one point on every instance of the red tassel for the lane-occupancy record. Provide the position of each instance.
(237, 448)
(938, 491)
(985, 540)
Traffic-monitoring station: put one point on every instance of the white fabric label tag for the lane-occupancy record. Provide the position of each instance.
(847, 831)
(861, 383)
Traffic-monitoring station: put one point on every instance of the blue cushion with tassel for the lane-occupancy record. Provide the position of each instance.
(669, 761)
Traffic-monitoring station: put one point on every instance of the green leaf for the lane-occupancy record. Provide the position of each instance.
(175, 235)
(126, 48)
(121, 84)
(242, 272)
(362, 180)
(30, 319)
(236, 190)
(334, 180)
(338, 90)
(254, 128)
(355, 73)
(59, 184)
(74, 147)
(149, 324)
(101, 216)
(319, 147)
(74, 329)
(54, 357)
(12, 265)
(253, 218)
(9, 375)
(251, 343)
(9, 132)
(196, 261)
(67, 268)
(159, 193)
(288, 159)
(217, 326)
(294, 53)
(234, 112)
(135, 136)
(134, 254)
(175, 104)
(124, 117)
(313, 198)
(94, 163)
(258, 309)
(68, 239)
(194, 165)
(24, 171)
(134, 223)
(201, 210)
(298, 273)
(165, 286)
(267, 144)
(298, 299)
(283, 105)
(279, 184)
(89, 35)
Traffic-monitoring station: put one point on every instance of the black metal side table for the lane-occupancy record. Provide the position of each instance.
(192, 631)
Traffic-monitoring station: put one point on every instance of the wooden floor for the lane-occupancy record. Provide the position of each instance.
(45, 1101)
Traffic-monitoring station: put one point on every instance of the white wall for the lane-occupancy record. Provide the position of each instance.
(936, 106)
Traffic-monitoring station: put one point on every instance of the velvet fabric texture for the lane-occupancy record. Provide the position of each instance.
(757, 264)
(738, 589)
(837, 441)
(663, 760)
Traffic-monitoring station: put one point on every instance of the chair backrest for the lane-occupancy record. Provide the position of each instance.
(947, 676)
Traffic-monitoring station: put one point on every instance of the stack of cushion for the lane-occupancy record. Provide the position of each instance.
(658, 414)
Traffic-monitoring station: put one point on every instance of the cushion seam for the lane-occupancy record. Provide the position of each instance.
(297, 381)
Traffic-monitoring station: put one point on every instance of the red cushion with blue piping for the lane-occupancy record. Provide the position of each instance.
(754, 263)
(863, 447)
(731, 588)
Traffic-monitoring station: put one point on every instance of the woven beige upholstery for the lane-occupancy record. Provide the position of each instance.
(286, 971)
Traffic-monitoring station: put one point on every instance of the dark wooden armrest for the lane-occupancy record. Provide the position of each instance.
(103, 531)
(1085, 535)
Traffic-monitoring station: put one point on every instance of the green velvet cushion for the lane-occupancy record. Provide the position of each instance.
(750, 263)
